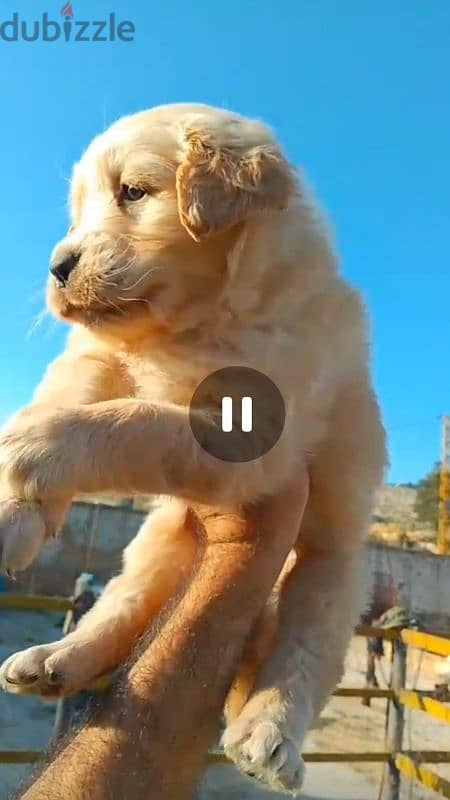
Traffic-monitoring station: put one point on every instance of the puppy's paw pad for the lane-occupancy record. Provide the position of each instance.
(32, 671)
(263, 751)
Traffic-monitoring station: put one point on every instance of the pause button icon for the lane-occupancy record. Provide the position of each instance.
(237, 414)
(246, 414)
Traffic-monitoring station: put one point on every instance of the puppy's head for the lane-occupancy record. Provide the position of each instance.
(156, 204)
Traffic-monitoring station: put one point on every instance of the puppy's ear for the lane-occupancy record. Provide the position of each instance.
(222, 179)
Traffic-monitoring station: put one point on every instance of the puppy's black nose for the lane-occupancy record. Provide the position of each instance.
(62, 268)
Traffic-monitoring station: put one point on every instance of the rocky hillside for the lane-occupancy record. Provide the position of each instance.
(395, 522)
(395, 504)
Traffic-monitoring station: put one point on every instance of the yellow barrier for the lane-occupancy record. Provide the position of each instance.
(436, 645)
(415, 770)
(418, 702)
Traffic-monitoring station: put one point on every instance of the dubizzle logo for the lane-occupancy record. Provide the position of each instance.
(67, 11)
(46, 29)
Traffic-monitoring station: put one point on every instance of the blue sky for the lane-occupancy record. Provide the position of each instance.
(358, 93)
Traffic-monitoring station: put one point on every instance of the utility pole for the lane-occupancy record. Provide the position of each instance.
(444, 491)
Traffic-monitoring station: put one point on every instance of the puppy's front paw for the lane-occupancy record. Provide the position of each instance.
(30, 672)
(22, 534)
(50, 670)
(24, 526)
(263, 750)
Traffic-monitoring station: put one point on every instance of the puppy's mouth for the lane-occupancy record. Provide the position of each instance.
(99, 312)
(88, 314)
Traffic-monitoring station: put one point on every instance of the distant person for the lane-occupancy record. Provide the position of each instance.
(394, 617)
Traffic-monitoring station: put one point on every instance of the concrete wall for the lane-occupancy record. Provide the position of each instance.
(422, 581)
(94, 536)
(92, 540)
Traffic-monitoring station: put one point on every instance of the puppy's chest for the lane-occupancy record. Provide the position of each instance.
(173, 374)
(170, 380)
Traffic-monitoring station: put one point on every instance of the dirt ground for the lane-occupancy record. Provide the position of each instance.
(345, 725)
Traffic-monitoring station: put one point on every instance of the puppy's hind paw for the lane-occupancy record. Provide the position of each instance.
(261, 749)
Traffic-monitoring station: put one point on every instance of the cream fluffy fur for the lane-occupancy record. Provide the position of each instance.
(224, 260)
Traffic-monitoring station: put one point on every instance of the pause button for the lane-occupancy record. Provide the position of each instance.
(237, 414)
(246, 414)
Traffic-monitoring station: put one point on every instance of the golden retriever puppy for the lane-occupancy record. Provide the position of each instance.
(194, 246)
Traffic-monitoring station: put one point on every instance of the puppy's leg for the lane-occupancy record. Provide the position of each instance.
(73, 379)
(320, 602)
(156, 563)
(319, 606)
(258, 648)
(47, 456)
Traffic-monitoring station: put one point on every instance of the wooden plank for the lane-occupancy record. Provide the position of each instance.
(104, 681)
(426, 641)
(418, 702)
(347, 691)
(20, 756)
(34, 602)
(430, 756)
(415, 770)
(377, 633)
(320, 758)
(31, 756)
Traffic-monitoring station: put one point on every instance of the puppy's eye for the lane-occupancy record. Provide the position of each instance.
(131, 193)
